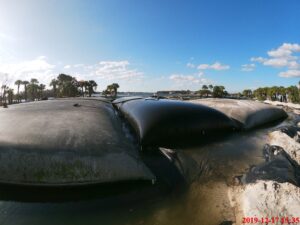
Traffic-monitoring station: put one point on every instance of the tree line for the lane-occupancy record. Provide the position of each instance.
(214, 91)
(62, 86)
(275, 93)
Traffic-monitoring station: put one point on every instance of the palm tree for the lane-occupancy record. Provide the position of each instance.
(10, 95)
(210, 87)
(205, 90)
(86, 86)
(219, 91)
(18, 83)
(247, 93)
(81, 85)
(33, 88)
(54, 84)
(4, 89)
(25, 83)
(115, 87)
(92, 85)
(204, 87)
(41, 88)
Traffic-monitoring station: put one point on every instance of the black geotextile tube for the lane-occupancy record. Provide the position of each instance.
(69, 142)
(172, 123)
(247, 113)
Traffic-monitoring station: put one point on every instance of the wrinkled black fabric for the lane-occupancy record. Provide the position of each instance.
(69, 141)
(291, 131)
(169, 123)
(279, 166)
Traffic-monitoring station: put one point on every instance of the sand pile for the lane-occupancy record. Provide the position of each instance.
(271, 189)
(265, 199)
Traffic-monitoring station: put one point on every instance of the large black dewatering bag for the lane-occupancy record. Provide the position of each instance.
(248, 114)
(169, 123)
(66, 142)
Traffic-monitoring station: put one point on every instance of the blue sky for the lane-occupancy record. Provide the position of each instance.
(152, 45)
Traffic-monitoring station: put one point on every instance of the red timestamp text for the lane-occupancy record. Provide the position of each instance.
(271, 220)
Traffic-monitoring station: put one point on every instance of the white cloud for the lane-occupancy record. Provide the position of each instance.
(284, 51)
(79, 65)
(104, 72)
(190, 65)
(283, 56)
(276, 62)
(200, 73)
(293, 65)
(290, 73)
(116, 70)
(214, 66)
(257, 59)
(67, 66)
(248, 67)
(35, 65)
(38, 68)
(187, 78)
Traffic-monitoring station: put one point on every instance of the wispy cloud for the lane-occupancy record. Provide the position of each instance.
(67, 66)
(282, 57)
(190, 65)
(285, 51)
(214, 66)
(248, 67)
(116, 70)
(38, 68)
(290, 73)
(187, 78)
(103, 73)
(78, 65)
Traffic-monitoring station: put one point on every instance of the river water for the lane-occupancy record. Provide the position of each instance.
(208, 171)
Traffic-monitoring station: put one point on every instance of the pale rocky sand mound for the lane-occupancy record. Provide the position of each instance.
(265, 199)
(287, 104)
(272, 189)
(248, 114)
(289, 144)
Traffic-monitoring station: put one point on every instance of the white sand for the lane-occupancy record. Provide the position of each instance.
(287, 143)
(265, 199)
(289, 104)
(268, 198)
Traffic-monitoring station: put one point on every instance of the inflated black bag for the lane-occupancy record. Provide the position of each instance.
(247, 113)
(70, 142)
(170, 123)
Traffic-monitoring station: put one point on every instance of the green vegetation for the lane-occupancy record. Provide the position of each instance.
(111, 90)
(247, 93)
(275, 93)
(63, 86)
(67, 86)
(213, 91)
